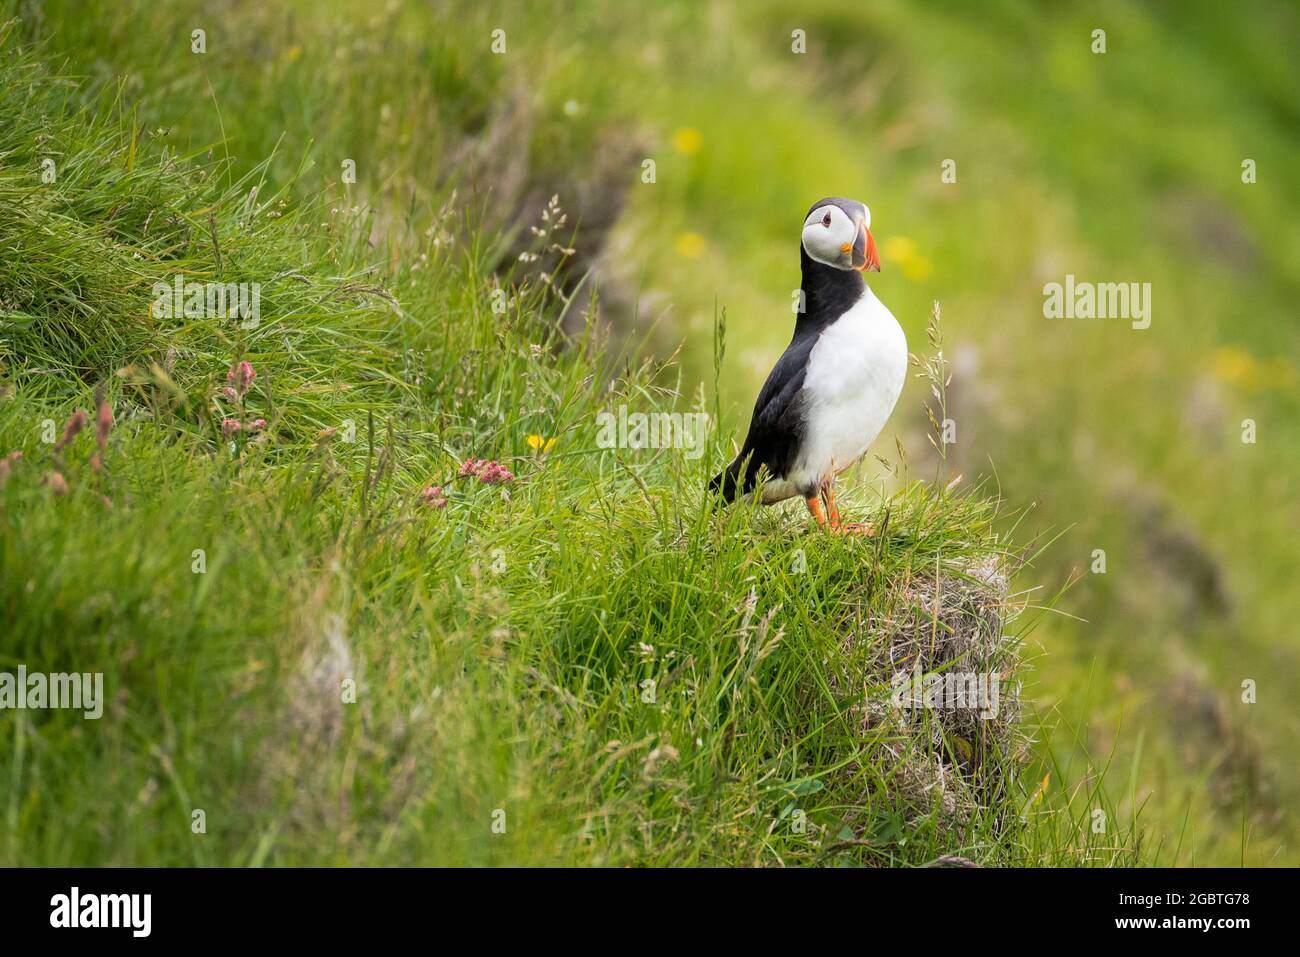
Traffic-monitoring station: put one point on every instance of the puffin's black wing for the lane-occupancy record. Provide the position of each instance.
(776, 428)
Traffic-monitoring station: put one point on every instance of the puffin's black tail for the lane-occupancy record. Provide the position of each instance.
(727, 481)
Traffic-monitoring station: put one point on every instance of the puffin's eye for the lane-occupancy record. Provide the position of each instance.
(826, 220)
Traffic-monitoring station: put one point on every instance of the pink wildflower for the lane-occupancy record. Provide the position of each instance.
(230, 426)
(434, 497)
(256, 425)
(76, 422)
(494, 473)
(485, 470)
(57, 483)
(103, 426)
(7, 463)
(241, 376)
(471, 467)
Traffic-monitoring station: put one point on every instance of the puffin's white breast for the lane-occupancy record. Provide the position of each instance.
(855, 375)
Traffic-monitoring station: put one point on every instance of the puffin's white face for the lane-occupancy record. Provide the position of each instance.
(833, 237)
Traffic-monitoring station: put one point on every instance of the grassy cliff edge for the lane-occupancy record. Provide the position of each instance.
(312, 657)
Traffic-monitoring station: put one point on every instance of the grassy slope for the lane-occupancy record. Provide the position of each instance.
(1122, 167)
(500, 645)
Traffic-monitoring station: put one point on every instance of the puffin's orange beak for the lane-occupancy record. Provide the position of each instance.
(865, 257)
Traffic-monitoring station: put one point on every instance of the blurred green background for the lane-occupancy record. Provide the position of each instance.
(1122, 166)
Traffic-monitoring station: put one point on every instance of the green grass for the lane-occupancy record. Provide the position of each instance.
(232, 592)
(1122, 166)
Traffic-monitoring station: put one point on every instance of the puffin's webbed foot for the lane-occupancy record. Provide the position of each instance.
(837, 526)
(854, 528)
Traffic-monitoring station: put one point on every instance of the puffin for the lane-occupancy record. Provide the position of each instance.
(836, 384)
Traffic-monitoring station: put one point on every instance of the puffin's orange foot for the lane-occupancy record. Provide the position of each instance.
(854, 528)
(815, 507)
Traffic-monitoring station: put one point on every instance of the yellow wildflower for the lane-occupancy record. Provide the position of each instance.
(687, 140)
(690, 245)
(902, 251)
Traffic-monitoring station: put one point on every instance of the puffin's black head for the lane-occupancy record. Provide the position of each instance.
(837, 233)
